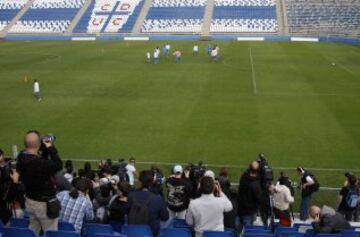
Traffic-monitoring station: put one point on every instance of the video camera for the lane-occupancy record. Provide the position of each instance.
(6, 168)
(196, 171)
(266, 172)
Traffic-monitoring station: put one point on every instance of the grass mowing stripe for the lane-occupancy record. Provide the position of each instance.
(253, 72)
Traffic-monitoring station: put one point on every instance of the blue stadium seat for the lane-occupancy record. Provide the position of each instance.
(108, 235)
(1, 226)
(179, 223)
(328, 235)
(117, 226)
(281, 229)
(218, 234)
(61, 234)
(310, 233)
(137, 231)
(65, 226)
(258, 235)
(258, 227)
(254, 231)
(17, 232)
(176, 232)
(291, 234)
(350, 233)
(19, 222)
(90, 230)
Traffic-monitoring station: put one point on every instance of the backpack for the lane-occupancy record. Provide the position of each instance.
(352, 199)
(316, 185)
(139, 212)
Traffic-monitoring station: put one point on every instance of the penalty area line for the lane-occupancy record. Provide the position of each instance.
(253, 78)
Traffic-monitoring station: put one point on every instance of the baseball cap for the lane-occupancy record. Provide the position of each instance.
(178, 169)
(210, 173)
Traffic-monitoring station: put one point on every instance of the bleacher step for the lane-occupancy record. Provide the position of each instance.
(18, 16)
(77, 17)
(144, 11)
(205, 31)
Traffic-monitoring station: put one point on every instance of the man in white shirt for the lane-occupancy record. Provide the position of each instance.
(167, 49)
(148, 57)
(37, 90)
(214, 54)
(156, 56)
(195, 50)
(131, 171)
(207, 212)
(282, 199)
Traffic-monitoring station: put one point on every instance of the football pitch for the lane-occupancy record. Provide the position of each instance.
(299, 103)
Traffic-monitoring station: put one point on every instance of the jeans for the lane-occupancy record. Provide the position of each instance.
(246, 220)
(304, 207)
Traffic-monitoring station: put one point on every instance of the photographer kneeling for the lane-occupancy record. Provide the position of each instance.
(37, 164)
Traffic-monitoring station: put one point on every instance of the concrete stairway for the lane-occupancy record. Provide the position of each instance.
(281, 17)
(77, 17)
(6, 30)
(205, 31)
(144, 11)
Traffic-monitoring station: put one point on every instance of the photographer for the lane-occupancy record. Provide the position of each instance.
(207, 211)
(308, 185)
(327, 220)
(282, 199)
(179, 193)
(159, 180)
(250, 194)
(37, 164)
(11, 190)
(348, 199)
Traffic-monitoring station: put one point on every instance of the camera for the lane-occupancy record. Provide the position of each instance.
(266, 172)
(6, 169)
(196, 171)
(50, 138)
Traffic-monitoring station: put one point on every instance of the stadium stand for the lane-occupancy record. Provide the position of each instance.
(110, 16)
(174, 16)
(48, 16)
(323, 17)
(231, 16)
(8, 10)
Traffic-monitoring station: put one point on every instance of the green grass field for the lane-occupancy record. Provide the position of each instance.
(300, 105)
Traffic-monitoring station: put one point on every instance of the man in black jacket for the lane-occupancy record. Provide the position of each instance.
(327, 220)
(37, 164)
(179, 193)
(250, 195)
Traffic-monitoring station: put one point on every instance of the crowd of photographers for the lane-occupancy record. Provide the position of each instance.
(39, 186)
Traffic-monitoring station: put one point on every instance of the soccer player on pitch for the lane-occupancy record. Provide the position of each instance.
(148, 57)
(195, 50)
(156, 56)
(37, 90)
(177, 55)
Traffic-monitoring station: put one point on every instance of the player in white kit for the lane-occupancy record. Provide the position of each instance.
(37, 90)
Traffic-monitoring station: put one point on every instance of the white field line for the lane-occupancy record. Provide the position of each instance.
(306, 95)
(220, 165)
(253, 72)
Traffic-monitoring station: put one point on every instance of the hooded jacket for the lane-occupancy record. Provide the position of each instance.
(250, 194)
(330, 221)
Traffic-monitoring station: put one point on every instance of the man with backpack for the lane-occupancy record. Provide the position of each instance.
(348, 199)
(147, 208)
(308, 185)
